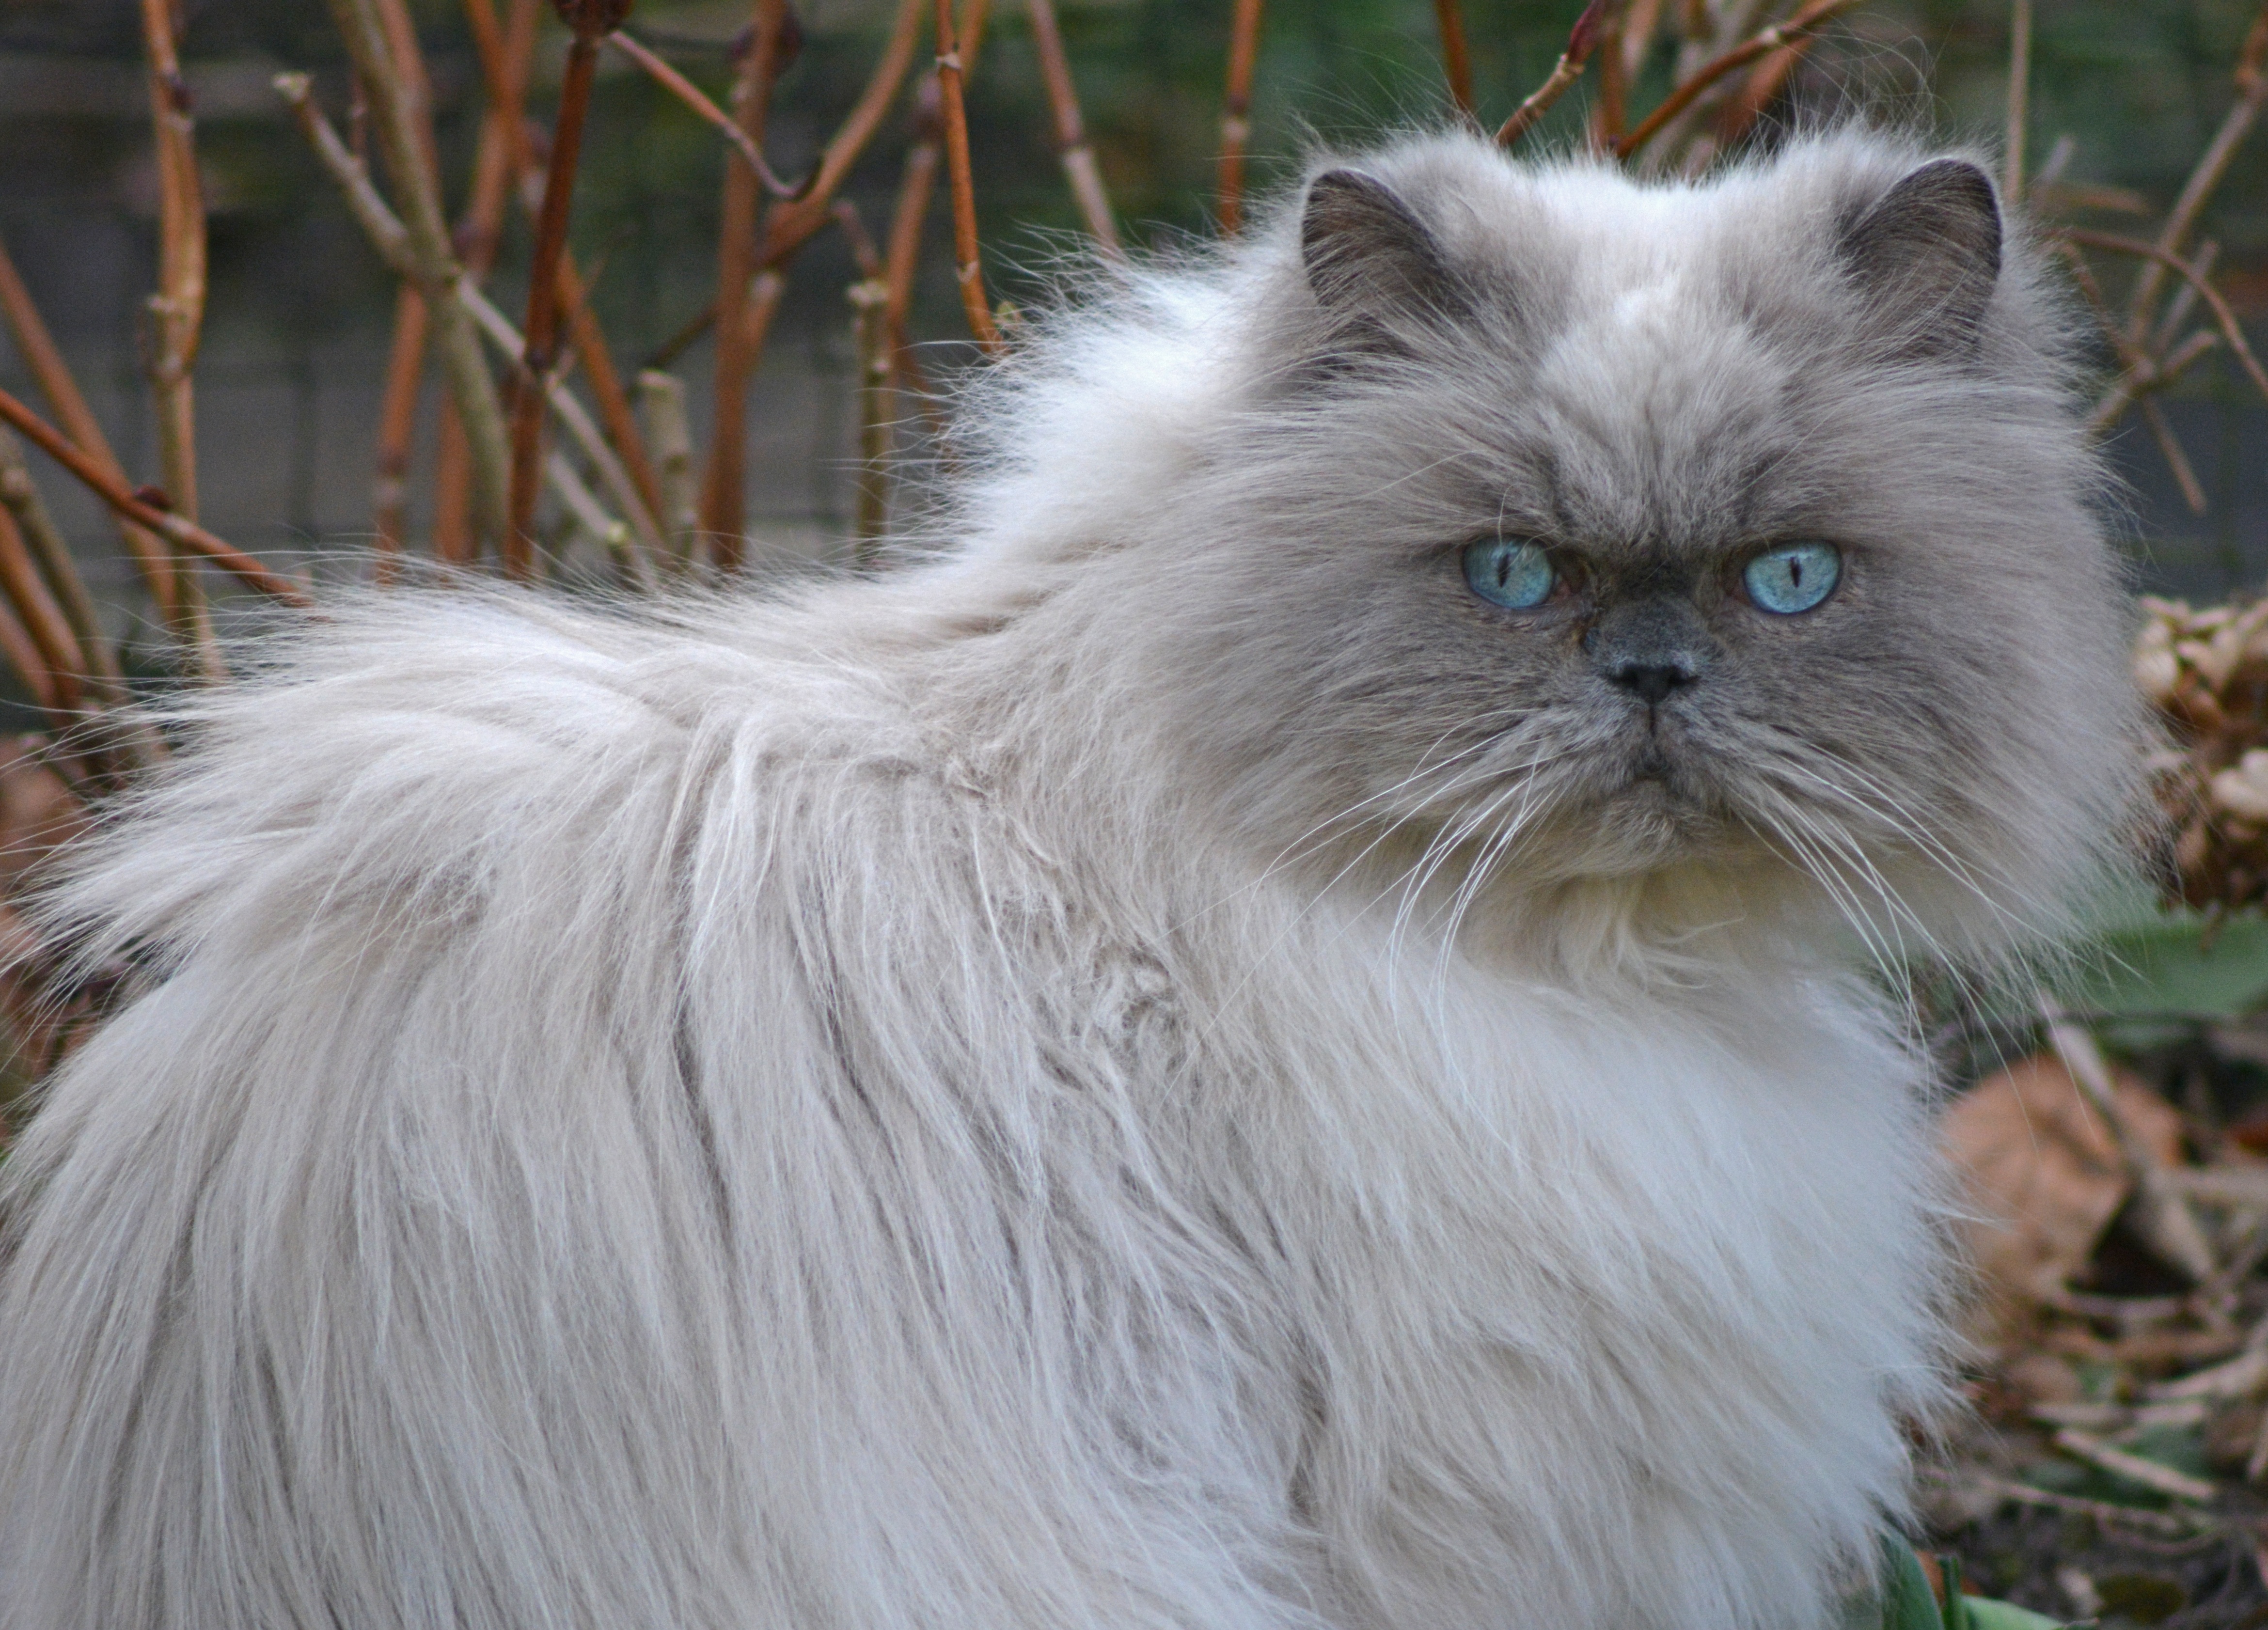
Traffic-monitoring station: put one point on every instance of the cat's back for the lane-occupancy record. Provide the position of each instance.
(541, 1011)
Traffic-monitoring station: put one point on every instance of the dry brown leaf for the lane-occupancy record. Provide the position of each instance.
(2042, 1172)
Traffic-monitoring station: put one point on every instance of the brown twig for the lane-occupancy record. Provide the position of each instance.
(738, 247)
(870, 299)
(1816, 15)
(1236, 115)
(591, 22)
(397, 425)
(1456, 57)
(2134, 1468)
(20, 495)
(1071, 146)
(2169, 446)
(795, 222)
(686, 91)
(962, 181)
(43, 619)
(177, 314)
(173, 528)
(497, 328)
(501, 158)
(669, 432)
(428, 253)
(43, 359)
(2020, 96)
(2231, 330)
(1741, 110)
(2251, 92)
(1583, 39)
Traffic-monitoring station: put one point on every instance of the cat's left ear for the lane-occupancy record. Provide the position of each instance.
(1370, 259)
(1925, 258)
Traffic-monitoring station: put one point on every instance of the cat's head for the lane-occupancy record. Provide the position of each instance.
(1548, 522)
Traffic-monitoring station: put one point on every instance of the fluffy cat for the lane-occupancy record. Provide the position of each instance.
(1268, 1035)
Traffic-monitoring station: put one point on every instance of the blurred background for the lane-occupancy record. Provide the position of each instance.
(299, 311)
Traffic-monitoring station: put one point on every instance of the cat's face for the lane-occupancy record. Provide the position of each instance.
(1591, 531)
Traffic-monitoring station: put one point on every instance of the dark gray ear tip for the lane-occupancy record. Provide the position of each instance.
(1340, 202)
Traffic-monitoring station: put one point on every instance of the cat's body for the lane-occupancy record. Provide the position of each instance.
(1079, 1084)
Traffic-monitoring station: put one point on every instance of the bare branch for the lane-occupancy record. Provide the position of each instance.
(1583, 39)
(1816, 15)
(1071, 146)
(1236, 115)
(170, 527)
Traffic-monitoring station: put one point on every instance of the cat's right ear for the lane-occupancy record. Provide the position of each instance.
(1925, 257)
(1370, 260)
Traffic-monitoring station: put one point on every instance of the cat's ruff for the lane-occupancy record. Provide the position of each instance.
(1163, 1066)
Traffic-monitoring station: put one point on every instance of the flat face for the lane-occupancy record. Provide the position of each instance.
(1604, 529)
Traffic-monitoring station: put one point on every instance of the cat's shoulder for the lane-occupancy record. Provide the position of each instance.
(449, 747)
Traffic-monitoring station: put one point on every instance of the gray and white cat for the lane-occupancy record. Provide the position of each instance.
(1267, 1038)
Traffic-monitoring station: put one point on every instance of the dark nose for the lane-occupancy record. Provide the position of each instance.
(1652, 681)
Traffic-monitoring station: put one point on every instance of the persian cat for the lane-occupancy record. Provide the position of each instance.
(1272, 1033)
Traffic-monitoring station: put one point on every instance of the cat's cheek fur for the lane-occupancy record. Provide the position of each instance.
(1062, 1088)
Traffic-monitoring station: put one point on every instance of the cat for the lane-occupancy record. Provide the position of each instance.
(1273, 1030)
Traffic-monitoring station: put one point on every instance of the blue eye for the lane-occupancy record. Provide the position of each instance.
(1791, 578)
(1512, 572)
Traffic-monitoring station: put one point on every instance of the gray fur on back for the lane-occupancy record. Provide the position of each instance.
(1162, 1066)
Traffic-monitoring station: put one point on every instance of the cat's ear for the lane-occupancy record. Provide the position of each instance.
(1925, 257)
(1370, 259)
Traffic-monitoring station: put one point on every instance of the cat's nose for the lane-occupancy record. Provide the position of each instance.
(1652, 681)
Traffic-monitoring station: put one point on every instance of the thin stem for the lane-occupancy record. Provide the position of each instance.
(1071, 146)
(870, 299)
(1817, 14)
(1583, 39)
(499, 331)
(690, 93)
(43, 619)
(961, 179)
(2161, 430)
(397, 425)
(170, 527)
(541, 329)
(669, 432)
(2231, 330)
(44, 360)
(20, 494)
(430, 257)
(1456, 59)
(1236, 115)
(2020, 96)
(177, 315)
(2211, 165)
(722, 497)
(796, 222)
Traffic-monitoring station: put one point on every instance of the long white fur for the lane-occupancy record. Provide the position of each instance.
(821, 1109)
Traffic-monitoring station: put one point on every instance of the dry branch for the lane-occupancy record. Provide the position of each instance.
(44, 360)
(1814, 16)
(172, 528)
(1456, 58)
(541, 328)
(397, 422)
(1236, 115)
(21, 495)
(2251, 92)
(577, 423)
(738, 251)
(686, 91)
(176, 315)
(1071, 146)
(1583, 39)
(426, 252)
(968, 268)
(2231, 330)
